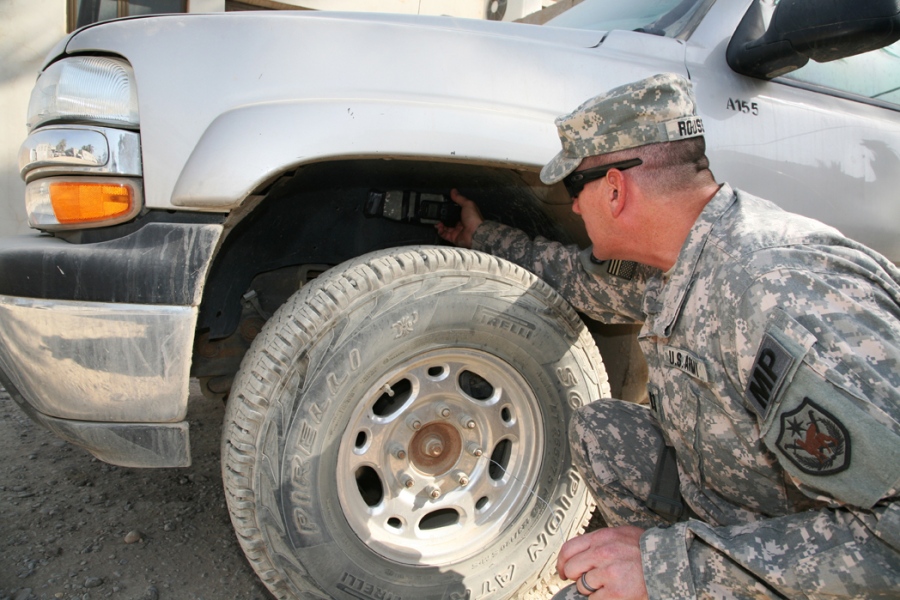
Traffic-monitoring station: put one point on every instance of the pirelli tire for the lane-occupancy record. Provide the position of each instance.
(398, 431)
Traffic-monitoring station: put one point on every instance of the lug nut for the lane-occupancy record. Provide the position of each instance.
(445, 412)
(414, 424)
(434, 492)
(467, 422)
(463, 479)
(475, 450)
(398, 452)
(407, 481)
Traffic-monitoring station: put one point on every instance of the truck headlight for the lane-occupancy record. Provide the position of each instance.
(95, 89)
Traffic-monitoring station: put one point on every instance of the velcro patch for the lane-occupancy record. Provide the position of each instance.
(621, 268)
(814, 440)
(688, 362)
(813, 424)
(767, 375)
(681, 129)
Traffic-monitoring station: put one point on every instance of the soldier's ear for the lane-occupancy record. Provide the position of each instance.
(618, 196)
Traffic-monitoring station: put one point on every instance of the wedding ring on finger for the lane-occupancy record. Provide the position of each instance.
(585, 585)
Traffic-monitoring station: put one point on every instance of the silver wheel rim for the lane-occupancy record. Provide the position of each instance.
(440, 457)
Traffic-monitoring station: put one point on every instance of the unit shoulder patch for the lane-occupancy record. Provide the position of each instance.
(814, 440)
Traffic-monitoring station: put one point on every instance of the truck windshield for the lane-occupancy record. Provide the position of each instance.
(670, 18)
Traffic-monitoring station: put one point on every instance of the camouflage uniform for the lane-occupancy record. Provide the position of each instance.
(773, 346)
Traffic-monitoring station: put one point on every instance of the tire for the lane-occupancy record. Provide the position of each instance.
(398, 430)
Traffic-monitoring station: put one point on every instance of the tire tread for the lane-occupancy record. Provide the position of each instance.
(292, 329)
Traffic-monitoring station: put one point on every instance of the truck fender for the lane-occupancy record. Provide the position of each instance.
(245, 148)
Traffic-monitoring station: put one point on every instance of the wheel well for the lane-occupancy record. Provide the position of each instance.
(312, 218)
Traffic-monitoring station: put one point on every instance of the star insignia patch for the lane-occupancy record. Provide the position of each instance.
(814, 440)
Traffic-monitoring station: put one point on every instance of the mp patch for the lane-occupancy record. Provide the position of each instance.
(814, 440)
(772, 363)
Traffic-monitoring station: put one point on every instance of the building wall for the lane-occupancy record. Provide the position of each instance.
(206, 5)
(28, 30)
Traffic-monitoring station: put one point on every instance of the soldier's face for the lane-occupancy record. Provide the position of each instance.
(591, 206)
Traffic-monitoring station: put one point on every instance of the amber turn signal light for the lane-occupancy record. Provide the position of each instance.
(86, 202)
(77, 202)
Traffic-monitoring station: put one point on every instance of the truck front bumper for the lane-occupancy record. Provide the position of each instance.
(96, 339)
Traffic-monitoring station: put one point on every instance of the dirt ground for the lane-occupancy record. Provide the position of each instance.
(73, 527)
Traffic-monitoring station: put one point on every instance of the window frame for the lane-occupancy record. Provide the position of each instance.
(122, 10)
(823, 88)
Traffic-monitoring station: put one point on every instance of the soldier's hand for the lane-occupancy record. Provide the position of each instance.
(470, 218)
(610, 561)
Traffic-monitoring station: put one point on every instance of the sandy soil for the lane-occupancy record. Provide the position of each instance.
(72, 527)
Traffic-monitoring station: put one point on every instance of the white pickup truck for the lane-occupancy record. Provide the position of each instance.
(248, 199)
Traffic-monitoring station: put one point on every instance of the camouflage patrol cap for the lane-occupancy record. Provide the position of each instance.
(657, 109)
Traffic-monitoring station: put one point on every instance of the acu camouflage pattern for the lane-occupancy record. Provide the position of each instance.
(657, 109)
(761, 527)
(615, 445)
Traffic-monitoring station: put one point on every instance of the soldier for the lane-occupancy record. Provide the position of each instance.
(768, 462)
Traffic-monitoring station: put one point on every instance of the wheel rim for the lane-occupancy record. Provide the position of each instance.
(440, 457)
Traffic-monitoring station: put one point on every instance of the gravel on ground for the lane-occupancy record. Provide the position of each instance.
(75, 528)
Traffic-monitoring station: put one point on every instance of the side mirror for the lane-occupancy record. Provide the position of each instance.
(801, 30)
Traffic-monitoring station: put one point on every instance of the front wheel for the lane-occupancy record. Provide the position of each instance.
(399, 431)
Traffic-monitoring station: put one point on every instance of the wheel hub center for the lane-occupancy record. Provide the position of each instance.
(435, 448)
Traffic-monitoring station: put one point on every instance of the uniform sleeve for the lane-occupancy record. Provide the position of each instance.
(820, 371)
(603, 292)
(815, 359)
(833, 553)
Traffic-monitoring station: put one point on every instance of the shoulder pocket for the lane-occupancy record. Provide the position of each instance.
(824, 434)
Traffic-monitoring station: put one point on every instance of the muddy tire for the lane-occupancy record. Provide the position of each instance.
(398, 430)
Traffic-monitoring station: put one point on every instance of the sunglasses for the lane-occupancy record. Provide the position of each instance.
(576, 181)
